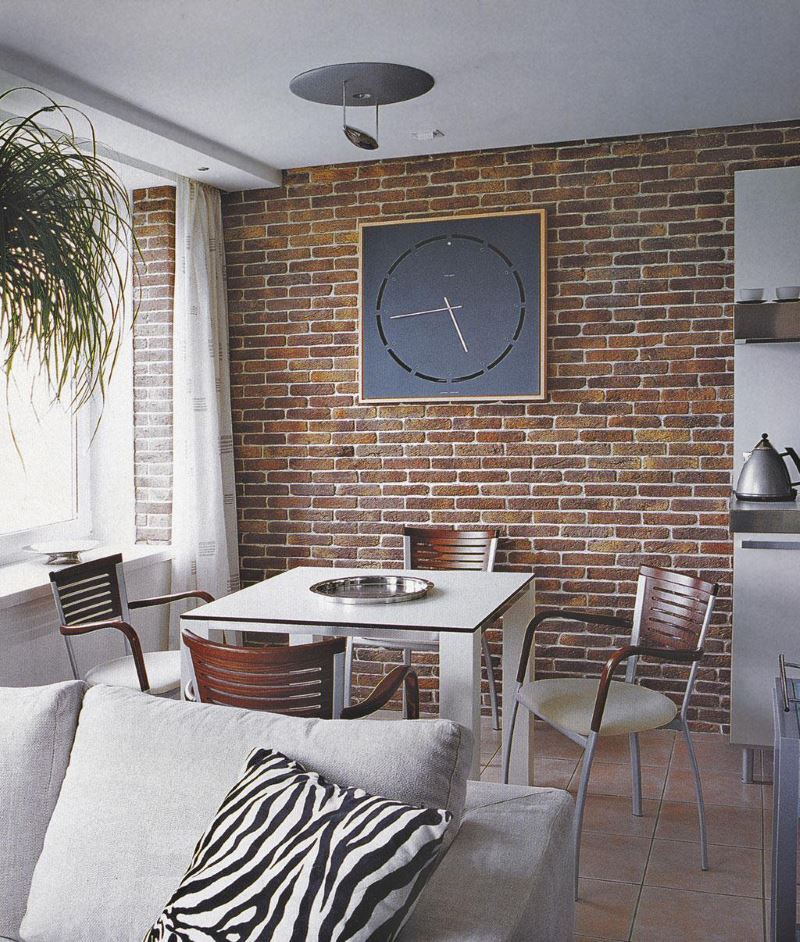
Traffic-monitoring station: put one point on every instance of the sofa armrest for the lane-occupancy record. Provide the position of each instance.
(507, 876)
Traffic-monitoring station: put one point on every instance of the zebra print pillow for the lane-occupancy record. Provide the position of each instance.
(290, 857)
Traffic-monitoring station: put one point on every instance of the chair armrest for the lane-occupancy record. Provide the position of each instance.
(564, 614)
(129, 632)
(622, 654)
(166, 599)
(384, 692)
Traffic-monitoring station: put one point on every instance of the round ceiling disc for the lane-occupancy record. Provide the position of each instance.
(383, 83)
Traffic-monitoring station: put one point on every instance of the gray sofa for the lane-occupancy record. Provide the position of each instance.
(104, 792)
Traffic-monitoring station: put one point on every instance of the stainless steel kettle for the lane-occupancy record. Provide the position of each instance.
(764, 475)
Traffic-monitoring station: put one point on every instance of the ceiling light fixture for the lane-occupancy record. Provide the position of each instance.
(359, 85)
(354, 135)
(427, 135)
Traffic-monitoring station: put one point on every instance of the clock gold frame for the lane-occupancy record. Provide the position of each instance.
(538, 397)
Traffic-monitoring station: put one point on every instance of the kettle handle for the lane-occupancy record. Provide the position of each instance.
(795, 458)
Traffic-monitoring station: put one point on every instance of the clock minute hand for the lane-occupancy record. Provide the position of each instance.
(452, 308)
(433, 310)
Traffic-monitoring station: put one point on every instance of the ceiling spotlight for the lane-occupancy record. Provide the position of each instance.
(355, 135)
(427, 135)
(361, 84)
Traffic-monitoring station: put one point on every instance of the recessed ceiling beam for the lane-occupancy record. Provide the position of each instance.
(90, 96)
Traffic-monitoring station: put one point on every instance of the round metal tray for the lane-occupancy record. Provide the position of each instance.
(371, 590)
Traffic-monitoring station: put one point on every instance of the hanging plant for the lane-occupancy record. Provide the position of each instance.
(65, 251)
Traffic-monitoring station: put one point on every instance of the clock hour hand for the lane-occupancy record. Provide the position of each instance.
(452, 308)
(433, 310)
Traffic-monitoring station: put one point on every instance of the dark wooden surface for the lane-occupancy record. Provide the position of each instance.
(296, 680)
(440, 548)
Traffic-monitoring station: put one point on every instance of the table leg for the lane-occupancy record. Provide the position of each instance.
(515, 621)
(201, 629)
(460, 686)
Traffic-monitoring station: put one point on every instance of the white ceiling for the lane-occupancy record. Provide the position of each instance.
(186, 81)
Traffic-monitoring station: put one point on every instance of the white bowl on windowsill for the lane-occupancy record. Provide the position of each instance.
(63, 552)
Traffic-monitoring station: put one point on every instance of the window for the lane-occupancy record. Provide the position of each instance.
(43, 468)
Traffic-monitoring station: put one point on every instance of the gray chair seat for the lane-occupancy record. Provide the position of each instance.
(416, 640)
(569, 704)
(163, 671)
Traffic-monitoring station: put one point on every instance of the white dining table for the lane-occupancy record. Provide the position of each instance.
(459, 606)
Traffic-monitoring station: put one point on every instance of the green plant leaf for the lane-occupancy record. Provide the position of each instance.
(66, 247)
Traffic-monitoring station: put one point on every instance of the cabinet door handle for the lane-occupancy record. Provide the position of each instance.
(770, 545)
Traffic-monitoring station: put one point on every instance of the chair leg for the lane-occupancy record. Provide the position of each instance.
(701, 811)
(636, 773)
(407, 663)
(588, 756)
(348, 673)
(508, 739)
(487, 660)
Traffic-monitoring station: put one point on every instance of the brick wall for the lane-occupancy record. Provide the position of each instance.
(629, 459)
(154, 289)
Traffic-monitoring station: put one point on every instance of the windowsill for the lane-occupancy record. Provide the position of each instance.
(27, 581)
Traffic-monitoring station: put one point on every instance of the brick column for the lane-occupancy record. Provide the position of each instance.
(154, 291)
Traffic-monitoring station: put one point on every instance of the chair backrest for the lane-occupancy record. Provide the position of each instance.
(672, 610)
(297, 680)
(445, 548)
(93, 591)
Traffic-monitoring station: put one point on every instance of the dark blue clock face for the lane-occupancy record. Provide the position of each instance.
(451, 309)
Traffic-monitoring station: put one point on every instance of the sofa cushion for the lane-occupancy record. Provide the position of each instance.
(37, 725)
(291, 855)
(147, 775)
(508, 874)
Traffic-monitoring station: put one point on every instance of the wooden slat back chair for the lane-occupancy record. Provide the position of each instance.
(91, 597)
(670, 620)
(440, 548)
(297, 680)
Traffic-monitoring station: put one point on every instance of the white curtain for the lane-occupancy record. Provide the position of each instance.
(204, 534)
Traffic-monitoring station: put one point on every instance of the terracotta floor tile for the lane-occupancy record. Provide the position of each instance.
(734, 871)
(549, 742)
(766, 796)
(719, 788)
(616, 857)
(605, 910)
(655, 748)
(553, 773)
(714, 756)
(547, 772)
(740, 827)
(490, 758)
(672, 915)
(612, 815)
(610, 778)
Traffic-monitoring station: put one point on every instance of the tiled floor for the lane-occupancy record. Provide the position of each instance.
(641, 877)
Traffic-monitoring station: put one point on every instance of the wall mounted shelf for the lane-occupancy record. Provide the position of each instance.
(770, 322)
(747, 516)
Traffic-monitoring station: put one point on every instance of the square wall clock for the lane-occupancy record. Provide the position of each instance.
(454, 308)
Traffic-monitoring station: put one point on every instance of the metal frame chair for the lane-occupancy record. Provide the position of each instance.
(438, 548)
(91, 597)
(670, 621)
(297, 680)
